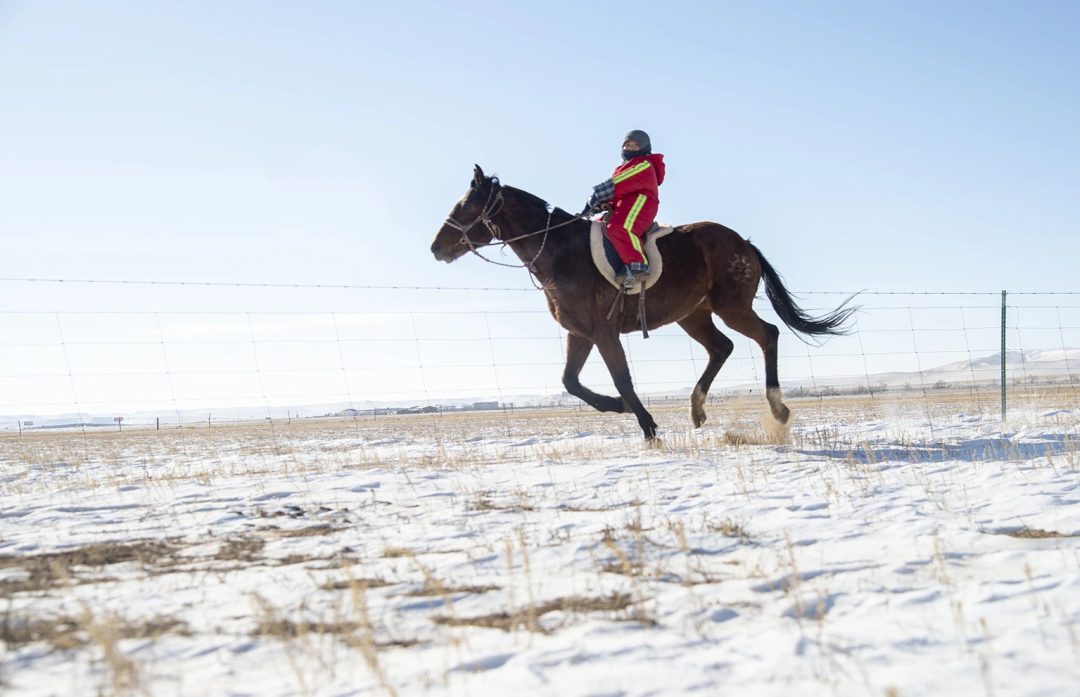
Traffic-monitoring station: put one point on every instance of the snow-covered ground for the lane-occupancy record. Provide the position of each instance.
(548, 556)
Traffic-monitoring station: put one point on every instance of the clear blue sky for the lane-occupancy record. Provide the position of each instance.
(888, 146)
(914, 145)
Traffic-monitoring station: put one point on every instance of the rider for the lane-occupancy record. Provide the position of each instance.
(632, 190)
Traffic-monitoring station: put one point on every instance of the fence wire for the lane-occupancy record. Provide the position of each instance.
(89, 366)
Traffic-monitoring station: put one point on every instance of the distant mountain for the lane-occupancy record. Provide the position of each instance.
(1040, 364)
(241, 413)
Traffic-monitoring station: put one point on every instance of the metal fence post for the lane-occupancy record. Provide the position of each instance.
(1003, 376)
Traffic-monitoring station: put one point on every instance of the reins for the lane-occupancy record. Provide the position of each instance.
(491, 208)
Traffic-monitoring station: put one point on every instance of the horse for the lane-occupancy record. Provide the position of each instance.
(710, 269)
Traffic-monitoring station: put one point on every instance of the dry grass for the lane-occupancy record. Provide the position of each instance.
(526, 618)
(1033, 534)
(354, 582)
(633, 539)
(67, 632)
(310, 531)
(240, 549)
(439, 589)
(48, 571)
(728, 528)
(155, 458)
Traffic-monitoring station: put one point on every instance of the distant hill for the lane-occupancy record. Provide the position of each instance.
(1040, 364)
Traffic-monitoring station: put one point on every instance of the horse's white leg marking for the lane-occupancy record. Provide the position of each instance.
(779, 431)
(697, 407)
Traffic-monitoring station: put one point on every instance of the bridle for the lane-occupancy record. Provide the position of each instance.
(492, 207)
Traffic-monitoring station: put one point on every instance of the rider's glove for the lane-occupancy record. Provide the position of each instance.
(590, 206)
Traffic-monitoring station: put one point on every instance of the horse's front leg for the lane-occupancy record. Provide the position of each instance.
(577, 352)
(612, 352)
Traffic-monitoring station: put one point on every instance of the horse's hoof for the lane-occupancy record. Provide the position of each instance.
(698, 418)
(782, 415)
(650, 433)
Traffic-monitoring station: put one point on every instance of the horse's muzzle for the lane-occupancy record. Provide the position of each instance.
(447, 252)
(440, 254)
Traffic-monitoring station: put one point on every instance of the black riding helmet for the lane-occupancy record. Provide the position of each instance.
(642, 139)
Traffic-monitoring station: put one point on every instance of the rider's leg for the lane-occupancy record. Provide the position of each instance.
(629, 221)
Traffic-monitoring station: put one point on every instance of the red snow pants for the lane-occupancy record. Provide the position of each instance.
(630, 217)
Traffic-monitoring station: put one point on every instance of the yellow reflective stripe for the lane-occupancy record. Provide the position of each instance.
(636, 169)
(634, 212)
(637, 244)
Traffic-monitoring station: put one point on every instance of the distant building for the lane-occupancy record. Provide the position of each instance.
(419, 410)
(485, 406)
(350, 412)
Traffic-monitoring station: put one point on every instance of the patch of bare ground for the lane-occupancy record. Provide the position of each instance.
(1032, 534)
(571, 508)
(434, 589)
(47, 571)
(397, 552)
(311, 531)
(65, 632)
(629, 567)
(483, 504)
(364, 583)
(287, 629)
(526, 618)
(240, 549)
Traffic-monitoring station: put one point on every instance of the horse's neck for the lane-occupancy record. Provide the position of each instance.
(525, 217)
(524, 221)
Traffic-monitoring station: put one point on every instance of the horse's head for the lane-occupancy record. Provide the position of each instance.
(469, 223)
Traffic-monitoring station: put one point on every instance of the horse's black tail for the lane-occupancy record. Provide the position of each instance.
(794, 316)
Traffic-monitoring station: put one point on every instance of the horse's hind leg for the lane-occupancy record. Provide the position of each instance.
(577, 352)
(746, 322)
(615, 358)
(699, 325)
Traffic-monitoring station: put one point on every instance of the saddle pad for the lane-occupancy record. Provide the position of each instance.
(652, 253)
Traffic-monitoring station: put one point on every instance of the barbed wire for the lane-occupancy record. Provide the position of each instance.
(350, 286)
(218, 284)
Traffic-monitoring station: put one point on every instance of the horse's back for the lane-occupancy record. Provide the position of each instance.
(711, 234)
(732, 265)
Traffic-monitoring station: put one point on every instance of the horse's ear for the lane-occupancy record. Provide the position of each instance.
(478, 176)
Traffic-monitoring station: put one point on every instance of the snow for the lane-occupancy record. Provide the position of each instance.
(864, 556)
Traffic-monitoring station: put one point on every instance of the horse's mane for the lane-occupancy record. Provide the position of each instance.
(558, 215)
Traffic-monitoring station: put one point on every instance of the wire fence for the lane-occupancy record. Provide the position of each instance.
(60, 368)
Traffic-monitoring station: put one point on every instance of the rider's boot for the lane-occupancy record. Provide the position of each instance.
(625, 278)
(640, 269)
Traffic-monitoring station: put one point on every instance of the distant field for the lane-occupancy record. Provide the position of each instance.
(901, 544)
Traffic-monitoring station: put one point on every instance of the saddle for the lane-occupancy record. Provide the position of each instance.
(608, 262)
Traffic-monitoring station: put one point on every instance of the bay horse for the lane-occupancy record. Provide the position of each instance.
(708, 269)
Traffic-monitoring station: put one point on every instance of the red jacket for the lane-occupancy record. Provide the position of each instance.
(641, 175)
